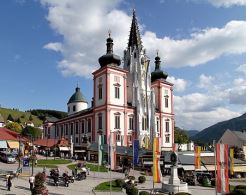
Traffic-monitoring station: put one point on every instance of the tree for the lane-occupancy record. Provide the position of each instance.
(238, 153)
(180, 136)
(30, 118)
(18, 120)
(10, 118)
(35, 132)
(14, 126)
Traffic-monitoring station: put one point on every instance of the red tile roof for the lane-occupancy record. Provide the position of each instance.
(6, 134)
(45, 142)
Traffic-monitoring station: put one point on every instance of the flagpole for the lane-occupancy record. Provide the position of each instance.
(215, 170)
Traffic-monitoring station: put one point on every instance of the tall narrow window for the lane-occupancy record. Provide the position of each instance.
(74, 108)
(100, 92)
(83, 126)
(167, 126)
(66, 130)
(117, 92)
(118, 137)
(62, 133)
(167, 139)
(130, 123)
(144, 123)
(166, 101)
(89, 125)
(76, 140)
(68, 109)
(117, 122)
(71, 130)
(157, 124)
(77, 128)
(100, 121)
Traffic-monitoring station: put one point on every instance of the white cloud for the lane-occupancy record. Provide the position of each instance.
(205, 82)
(202, 47)
(242, 68)
(227, 3)
(204, 119)
(237, 92)
(54, 46)
(84, 26)
(179, 84)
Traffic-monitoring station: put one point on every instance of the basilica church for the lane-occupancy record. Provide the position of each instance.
(128, 101)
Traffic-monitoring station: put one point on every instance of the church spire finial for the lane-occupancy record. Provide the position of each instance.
(134, 37)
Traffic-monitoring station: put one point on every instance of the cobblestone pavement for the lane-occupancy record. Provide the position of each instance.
(84, 187)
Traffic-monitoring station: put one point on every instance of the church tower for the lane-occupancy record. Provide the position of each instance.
(164, 116)
(136, 63)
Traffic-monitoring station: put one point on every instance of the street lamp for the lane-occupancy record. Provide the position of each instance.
(19, 152)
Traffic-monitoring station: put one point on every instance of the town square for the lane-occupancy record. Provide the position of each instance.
(123, 97)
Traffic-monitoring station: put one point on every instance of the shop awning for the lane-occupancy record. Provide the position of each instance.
(3, 144)
(64, 148)
(13, 144)
(79, 151)
(240, 169)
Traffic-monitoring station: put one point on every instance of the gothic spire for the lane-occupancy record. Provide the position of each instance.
(135, 38)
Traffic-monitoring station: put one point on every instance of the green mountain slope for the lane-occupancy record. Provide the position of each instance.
(214, 132)
(23, 116)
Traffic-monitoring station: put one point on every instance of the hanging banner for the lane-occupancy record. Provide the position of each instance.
(100, 149)
(156, 160)
(135, 151)
(112, 144)
(197, 157)
(231, 161)
(222, 162)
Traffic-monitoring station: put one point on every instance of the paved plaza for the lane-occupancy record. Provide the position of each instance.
(84, 187)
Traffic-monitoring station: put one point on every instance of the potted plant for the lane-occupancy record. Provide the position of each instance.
(39, 187)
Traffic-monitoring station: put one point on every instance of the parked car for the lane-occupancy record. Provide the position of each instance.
(7, 157)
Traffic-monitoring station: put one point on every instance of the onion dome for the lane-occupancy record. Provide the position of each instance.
(77, 97)
(109, 57)
(158, 73)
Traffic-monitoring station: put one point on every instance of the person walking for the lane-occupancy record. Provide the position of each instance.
(31, 182)
(9, 183)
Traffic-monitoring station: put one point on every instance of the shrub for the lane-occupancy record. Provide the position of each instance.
(141, 179)
(240, 187)
(144, 193)
(131, 190)
(119, 182)
(206, 182)
(240, 191)
(212, 182)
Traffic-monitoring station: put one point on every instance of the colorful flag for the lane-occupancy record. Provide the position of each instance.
(112, 152)
(197, 157)
(135, 151)
(222, 161)
(156, 160)
(231, 161)
(100, 149)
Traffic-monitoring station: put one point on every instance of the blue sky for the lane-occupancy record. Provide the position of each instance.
(49, 46)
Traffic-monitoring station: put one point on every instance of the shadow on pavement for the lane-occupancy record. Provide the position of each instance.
(23, 188)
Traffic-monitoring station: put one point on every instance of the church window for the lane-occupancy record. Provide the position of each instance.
(68, 108)
(71, 130)
(157, 124)
(117, 122)
(167, 126)
(100, 92)
(100, 121)
(118, 137)
(135, 55)
(166, 101)
(130, 138)
(117, 92)
(76, 140)
(66, 130)
(130, 123)
(83, 126)
(74, 108)
(77, 128)
(62, 133)
(167, 139)
(144, 123)
(89, 125)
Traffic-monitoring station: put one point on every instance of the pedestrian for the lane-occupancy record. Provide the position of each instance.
(9, 183)
(36, 162)
(76, 171)
(31, 182)
(84, 158)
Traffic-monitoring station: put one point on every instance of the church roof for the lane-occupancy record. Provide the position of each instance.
(109, 57)
(77, 97)
(158, 73)
(135, 38)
